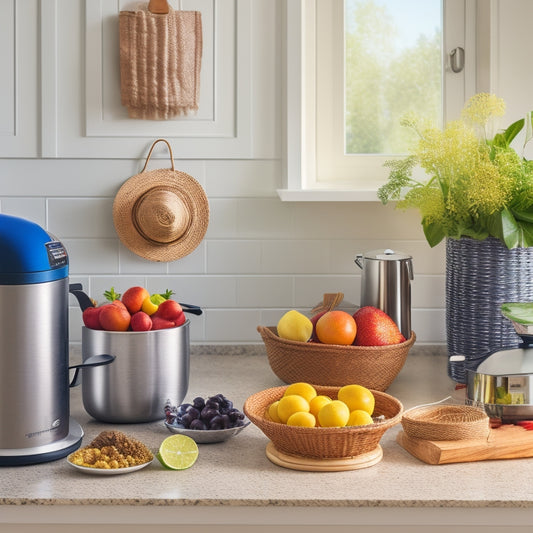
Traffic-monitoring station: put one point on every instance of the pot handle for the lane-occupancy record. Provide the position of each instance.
(358, 261)
(83, 299)
(94, 360)
(193, 309)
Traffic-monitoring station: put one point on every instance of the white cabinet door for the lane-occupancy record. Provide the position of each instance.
(87, 116)
(19, 89)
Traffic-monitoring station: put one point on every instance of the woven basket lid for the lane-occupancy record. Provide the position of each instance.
(162, 214)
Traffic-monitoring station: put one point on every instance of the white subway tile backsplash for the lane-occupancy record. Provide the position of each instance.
(85, 218)
(265, 291)
(233, 257)
(250, 178)
(227, 325)
(33, 209)
(295, 257)
(92, 256)
(259, 258)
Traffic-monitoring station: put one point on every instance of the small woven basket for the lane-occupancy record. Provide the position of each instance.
(373, 367)
(446, 422)
(322, 442)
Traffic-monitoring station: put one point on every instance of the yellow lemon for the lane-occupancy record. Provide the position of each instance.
(317, 402)
(273, 411)
(295, 327)
(291, 404)
(302, 419)
(301, 389)
(148, 306)
(359, 418)
(357, 397)
(334, 414)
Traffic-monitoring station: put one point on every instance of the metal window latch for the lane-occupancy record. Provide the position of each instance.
(457, 59)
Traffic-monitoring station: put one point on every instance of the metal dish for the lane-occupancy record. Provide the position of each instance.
(207, 436)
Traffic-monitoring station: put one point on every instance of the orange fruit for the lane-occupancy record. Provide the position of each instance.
(336, 327)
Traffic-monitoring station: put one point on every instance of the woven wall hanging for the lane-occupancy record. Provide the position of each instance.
(160, 60)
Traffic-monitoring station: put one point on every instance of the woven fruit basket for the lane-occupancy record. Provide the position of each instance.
(374, 367)
(446, 422)
(323, 442)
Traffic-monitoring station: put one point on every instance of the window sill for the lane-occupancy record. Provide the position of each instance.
(330, 195)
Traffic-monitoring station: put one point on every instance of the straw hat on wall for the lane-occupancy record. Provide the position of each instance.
(162, 214)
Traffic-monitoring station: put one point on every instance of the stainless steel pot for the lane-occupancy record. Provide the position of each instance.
(503, 384)
(150, 367)
(386, 284)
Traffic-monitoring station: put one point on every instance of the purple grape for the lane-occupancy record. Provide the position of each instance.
(199, 403)
(216, 422)
(186, 420)
(193, 412)
(198, 424)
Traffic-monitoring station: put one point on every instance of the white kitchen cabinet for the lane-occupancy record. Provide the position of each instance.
(19, 90)
(88, 117)
(62, 96)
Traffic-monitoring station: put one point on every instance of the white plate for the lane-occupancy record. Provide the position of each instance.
(207, 436)
(107, 471)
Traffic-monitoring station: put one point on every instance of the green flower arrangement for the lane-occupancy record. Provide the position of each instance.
(475, 185)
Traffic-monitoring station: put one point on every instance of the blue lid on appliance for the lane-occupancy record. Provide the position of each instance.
(28, 254)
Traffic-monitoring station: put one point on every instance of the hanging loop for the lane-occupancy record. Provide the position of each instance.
(158, 7)
(457, 59)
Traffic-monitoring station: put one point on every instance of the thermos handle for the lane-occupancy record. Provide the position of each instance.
(94, 360)
(358, 261)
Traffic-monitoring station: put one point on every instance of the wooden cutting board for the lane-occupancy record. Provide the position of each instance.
(505, 442)
(297, 462)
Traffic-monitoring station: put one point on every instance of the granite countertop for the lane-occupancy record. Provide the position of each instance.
(237, 473)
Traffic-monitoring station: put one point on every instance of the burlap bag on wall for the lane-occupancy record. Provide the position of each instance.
(160, 60)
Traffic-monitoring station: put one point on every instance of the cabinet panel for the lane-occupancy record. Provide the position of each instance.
(19, 89)
(90, 119)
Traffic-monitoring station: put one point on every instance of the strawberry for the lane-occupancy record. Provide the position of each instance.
(375, 328)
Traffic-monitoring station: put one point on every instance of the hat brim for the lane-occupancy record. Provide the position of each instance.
(135, 187)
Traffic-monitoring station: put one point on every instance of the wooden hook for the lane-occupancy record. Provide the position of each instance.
(158, 7)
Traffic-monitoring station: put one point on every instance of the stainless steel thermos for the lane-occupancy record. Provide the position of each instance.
(386, 284)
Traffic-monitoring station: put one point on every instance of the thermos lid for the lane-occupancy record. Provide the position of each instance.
(386, 255)
(29, 254)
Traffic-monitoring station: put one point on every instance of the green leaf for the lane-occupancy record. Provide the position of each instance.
(506, 138)
(111, 295)
(524, 215)
(434, 232)
(516, 233)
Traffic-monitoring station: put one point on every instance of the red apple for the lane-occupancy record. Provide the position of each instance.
(134, 297)
(375, 328)
(314, 320)
(91, 317)
(161, 323)
(114, 317)
(169, 310)
(140, 321)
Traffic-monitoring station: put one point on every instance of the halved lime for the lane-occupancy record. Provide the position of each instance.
(178, 452)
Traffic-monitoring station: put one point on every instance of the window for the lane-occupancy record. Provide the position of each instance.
(348, 89)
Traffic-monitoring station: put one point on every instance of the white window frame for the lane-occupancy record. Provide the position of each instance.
(300, 180)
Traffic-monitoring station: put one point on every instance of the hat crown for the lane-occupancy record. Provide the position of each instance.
(161, 216)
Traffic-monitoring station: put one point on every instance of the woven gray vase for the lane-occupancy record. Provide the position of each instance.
(480, 276)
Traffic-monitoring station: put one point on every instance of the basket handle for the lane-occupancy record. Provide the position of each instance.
(158, 7)
(152, 149)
